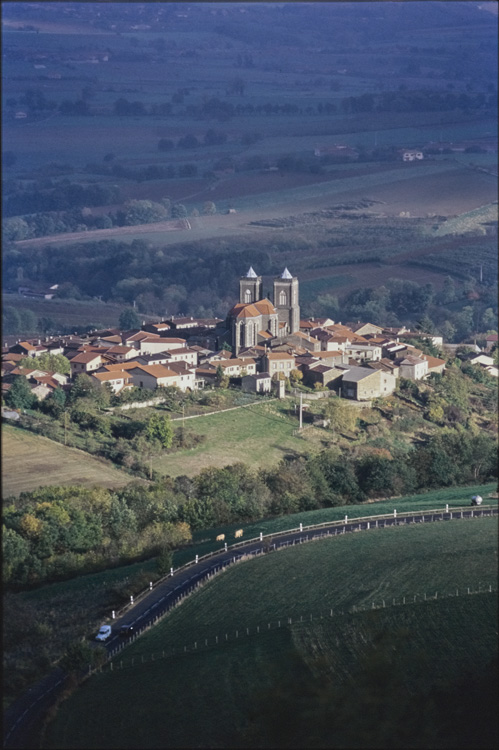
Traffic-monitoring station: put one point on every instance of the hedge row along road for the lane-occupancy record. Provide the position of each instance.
(24, 717)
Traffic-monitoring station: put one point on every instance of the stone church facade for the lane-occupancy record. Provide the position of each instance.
(254, 319)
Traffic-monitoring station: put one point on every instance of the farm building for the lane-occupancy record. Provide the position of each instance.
(411, 155)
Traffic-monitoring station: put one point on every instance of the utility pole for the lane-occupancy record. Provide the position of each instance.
(301, 410)
(65, 427)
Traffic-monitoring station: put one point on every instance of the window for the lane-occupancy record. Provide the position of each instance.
(282, 298)
(247, 296)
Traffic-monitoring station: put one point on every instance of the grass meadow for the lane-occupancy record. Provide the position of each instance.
(257, 435)
(204, 699)
(30, 461)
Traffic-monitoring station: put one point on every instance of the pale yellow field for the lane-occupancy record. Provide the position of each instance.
(31, 461)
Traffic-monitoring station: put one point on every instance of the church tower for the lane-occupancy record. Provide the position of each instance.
(286, 301)
(250, 287)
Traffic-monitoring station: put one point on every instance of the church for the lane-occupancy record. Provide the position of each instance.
(255, 320)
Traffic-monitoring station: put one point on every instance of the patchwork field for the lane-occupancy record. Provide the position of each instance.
(31, 461)
(208, 698)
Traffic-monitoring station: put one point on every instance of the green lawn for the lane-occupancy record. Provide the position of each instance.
(257, 435)
(204, 698)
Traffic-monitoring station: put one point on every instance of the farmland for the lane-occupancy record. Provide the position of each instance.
(258, 108)
(30, 461)
(354, 570)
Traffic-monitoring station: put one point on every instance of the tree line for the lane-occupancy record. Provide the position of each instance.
(59, 532)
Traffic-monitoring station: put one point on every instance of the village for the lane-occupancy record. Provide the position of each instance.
(261, 347)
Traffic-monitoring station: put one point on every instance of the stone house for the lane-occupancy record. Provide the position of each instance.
(365, 383)
(260, 382)
(276, 363)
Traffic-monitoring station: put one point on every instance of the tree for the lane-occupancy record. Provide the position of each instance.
(19, 395)
(448, 293)
(179, 211)
(16, 228)
(209, 208)
(50, 362)
(341, 416)
(160, 428)
(144, 212)
(129, 319)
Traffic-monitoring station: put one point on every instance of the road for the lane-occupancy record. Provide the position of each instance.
(24, 717)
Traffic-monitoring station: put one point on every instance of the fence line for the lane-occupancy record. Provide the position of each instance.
(203, 643)
(479, 511)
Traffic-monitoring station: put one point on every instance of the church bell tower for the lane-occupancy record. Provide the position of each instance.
(250, 287)
(286, 301)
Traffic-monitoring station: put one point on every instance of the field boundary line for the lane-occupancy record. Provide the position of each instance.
(284, 621)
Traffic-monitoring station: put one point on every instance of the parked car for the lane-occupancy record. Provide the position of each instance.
(104, 633)
(126, 631)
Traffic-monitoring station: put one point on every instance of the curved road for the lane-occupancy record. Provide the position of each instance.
(24, 717)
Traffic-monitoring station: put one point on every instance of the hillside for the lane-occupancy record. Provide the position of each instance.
(45, 462)
(224, 696)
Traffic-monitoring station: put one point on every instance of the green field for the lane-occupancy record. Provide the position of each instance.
(31, 461)
(256, 435)
(204, 699)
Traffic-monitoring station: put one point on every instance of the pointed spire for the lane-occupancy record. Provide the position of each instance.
(251, 273)
(286, 275)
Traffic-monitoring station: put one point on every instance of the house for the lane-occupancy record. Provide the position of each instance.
(433, 338)
(86, 362)
(187, 374)
(385, 364)
(182, 354)
(278, 362)
(116, 379)
(490, 341)
(25, 348)
(158, 328)
(159, 344)
(153, 376)
(365, 383)
(236, 367)
(331, 357)
(412, 367)
(481, 359)
(363, 328)
(304, 340)
(121, 353)
(435, 364)
(27, 291)
(260, 382)
(323, 375)
(366, 351)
